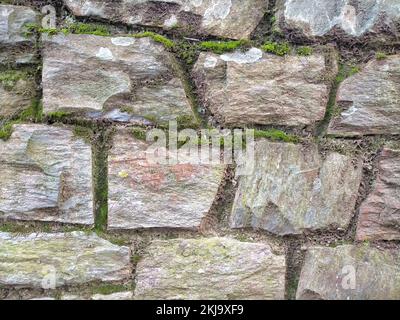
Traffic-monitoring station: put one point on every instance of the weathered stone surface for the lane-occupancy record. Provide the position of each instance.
(121, 78)
(16, 94)
(15, 45)
(235, 19)
(114, 296)
(292, 189)
(371, 100)
(46, 175)
(259, 88)
(328, 274)
(215, 268)
(380, 213)
(40, 260)
(144, 194)
(343, 20)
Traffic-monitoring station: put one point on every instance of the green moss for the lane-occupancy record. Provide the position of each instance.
(76, 28)
(109, 288)
(139, 133)
(85, 133)
(187, 122)
(57, 115)
(6, 130)
(33, 114)
(9, 78)
(87, 28)
(169, 44)
(220, 47)
(380, 55)
(275, 135)
(280, 49)
(186, 52)
(135, 259)
(305, 51)
(332, 110)
(100, 180)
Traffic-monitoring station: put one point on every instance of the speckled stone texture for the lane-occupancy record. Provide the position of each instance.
(46, 175)
(291, 189)
(350, 272)
(234, 19)
(370, 100)
(15, 45)
(379, 217)
(119, 78)
(342, 20)
(65, 259)
(145, 194)
(214, 268)
(253, 87)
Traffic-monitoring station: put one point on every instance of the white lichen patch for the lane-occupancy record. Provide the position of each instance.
(210, 62)
(104, 54)
(122, 41)
(171, 21)
(250, 56)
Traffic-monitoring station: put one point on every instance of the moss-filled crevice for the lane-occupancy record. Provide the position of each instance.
(101, 146)
(332, 109)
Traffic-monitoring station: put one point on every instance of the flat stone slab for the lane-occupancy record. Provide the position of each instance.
(341, 20)
(50, 260)
(371, 100)
(16, 92)
(15, 45)
(46, 175)
(234, 19)
(379, 217)
(145, 194)
(214, 268)
(259, 88)
(349, 273)
(118, 78)
(291, 189)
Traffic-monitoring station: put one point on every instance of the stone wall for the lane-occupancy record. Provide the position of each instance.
(84, 214)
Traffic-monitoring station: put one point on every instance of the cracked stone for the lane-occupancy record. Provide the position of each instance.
(290, 189)
(370, 100)
(379, 217)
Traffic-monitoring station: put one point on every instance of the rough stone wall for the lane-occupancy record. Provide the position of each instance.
(84, 214)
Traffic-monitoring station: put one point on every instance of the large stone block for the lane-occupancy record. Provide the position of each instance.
(216, 268)
(380, 213)
(46, 175)
(235, 19)
(291, 189)
(370, 100)
(259, 88)
(51, 260)
(15, 45)
(145, 194)
(349, 273)
(118, 78)
(342, 20)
